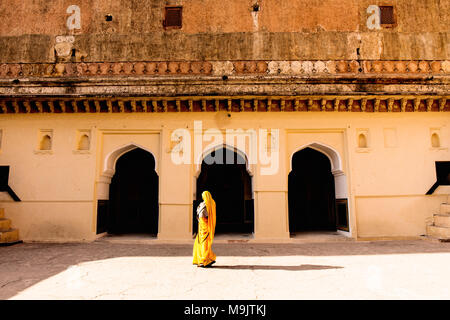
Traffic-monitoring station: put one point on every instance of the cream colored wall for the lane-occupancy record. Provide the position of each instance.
(396, 204)
(386, 182)
(56, 187)
(175, 194)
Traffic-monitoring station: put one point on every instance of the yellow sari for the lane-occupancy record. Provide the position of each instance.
(203, 254)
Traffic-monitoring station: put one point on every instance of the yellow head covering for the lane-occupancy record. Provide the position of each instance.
(211, 207)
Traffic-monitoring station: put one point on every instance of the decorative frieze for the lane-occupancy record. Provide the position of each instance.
(198, 68)
(352, 103)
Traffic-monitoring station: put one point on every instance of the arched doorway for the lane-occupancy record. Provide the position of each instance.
(231, 187)
(133, 195)
(311, 192)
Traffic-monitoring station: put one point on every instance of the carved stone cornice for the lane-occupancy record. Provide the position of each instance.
(186, 68)
(304, 103)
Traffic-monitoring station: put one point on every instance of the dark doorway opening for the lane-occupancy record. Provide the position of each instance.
(133, 195)
(311, 193)
(224, 174)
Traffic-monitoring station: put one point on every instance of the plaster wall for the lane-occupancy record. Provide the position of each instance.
(386, 182)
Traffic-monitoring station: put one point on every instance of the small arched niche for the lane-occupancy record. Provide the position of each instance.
(435, 140)
(362, 141)
(84, 142)
(46, 143)
(109, 168)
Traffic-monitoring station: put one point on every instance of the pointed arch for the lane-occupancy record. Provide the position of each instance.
(205, 153)
(133, 204)
(311, 192)
(340, 178)
(330, 152)
(230, 185)
(111, 158)
(109, 167)
(343, 214)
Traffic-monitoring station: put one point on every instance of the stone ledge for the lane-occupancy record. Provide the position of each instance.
(300, 103)
(223, 68)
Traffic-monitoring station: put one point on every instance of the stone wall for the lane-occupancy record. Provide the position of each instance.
(224, 30)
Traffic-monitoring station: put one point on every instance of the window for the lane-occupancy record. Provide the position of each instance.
(173, 17)
(387, 15)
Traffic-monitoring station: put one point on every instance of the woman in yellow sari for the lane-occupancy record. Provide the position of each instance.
(206, 216)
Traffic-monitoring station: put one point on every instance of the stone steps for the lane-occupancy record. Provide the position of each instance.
(8, 235)
(442, 220)
(5, 224)
(445, 208)
(440, 228)
(441, 233)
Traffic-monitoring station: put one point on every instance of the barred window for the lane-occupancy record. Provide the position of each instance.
(387, 15)
(173, 17)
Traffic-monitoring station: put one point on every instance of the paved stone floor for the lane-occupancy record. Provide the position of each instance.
(415, 269)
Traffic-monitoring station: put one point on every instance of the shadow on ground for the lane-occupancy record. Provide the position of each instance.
(303, 267)
(23, 265)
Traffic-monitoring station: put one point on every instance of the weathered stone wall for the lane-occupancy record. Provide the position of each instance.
(225, 30)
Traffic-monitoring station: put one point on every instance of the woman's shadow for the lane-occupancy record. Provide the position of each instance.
(302, 267)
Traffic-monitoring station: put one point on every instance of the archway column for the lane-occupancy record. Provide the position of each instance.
(175, 188)
(340, 182)
(103, 184)
(271, 202)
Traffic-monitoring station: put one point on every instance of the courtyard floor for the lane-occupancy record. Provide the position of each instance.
(413, 269)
